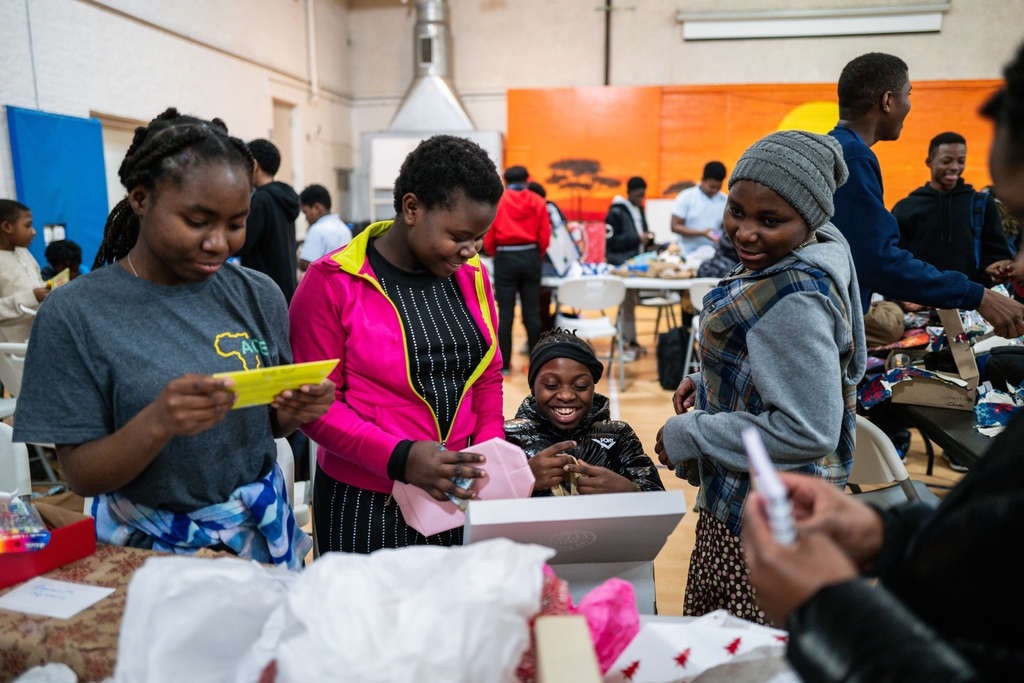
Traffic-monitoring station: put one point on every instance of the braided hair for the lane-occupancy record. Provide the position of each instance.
(164, 151)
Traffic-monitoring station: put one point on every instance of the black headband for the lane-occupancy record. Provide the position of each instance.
(547, 352)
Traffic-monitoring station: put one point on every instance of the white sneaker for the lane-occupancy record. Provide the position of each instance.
(628, 356)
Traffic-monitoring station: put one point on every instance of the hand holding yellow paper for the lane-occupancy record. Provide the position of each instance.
(61, 278)
(259, 387)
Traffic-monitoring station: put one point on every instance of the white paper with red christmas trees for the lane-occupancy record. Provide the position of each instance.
(676, 652)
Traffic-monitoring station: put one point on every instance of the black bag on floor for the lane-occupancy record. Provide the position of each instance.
(671, 354)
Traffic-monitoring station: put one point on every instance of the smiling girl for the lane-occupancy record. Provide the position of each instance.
(140, 422)
(782, 349)
(408, 309)
(565, 417)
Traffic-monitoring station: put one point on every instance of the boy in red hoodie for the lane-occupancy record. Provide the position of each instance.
(517, 240)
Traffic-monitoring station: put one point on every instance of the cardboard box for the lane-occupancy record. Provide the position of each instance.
(72, 537)
(564, 650)
(595, 537)
(923, 391)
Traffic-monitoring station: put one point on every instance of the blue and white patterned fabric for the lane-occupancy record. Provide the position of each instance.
(256, 522)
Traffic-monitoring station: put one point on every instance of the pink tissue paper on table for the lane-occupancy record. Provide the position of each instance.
(612, 617)
(508, 476)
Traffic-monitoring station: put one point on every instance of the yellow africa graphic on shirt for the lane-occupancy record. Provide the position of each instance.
(239, 345)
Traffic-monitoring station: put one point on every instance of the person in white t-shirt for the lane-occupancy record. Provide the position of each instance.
(327, 232)
(697, 211)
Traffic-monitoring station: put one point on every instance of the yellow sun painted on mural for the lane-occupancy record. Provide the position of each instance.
(816, 117)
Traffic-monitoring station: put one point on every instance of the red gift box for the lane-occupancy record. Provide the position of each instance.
(72, 537)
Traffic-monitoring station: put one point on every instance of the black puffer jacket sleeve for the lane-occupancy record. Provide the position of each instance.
(858, 633)
(629, 459)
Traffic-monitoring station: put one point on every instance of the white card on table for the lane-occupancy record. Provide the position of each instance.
(51, 598)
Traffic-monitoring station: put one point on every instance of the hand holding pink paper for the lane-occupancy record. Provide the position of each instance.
(508, 476)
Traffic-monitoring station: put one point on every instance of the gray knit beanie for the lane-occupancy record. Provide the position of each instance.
(803, 168)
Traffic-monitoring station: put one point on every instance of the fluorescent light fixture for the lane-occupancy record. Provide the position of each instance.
(854, 21)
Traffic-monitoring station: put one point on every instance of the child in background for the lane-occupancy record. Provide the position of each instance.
(782, 349)
(564, 417)
(62, 254)
(140, 421)
(408, 309)
(20, 281)
(327, 232)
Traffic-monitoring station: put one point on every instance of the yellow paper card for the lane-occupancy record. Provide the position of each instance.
(61, 278)
(259, 387)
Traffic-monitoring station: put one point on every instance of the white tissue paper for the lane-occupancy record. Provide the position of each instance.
(195, 619)
(677, 652)
(423, 614)
(420, 614)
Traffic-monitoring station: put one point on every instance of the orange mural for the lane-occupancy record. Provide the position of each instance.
(583, 144)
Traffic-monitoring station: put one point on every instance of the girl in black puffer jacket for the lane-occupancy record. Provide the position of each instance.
(564, 417)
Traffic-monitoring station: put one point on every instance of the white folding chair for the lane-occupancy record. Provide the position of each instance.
(12, 365)
(875, 461)
(309, 494)
(699, 288)
(596, 293)
(665, 302)
(12, 368)
(14, 472)
(7, 407)
(286, 459)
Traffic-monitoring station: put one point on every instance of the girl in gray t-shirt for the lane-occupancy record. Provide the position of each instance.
(140, 422)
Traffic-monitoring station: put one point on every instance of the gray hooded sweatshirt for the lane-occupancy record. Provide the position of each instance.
(795, 366)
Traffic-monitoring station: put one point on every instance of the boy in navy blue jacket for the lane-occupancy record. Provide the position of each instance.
(874, 100)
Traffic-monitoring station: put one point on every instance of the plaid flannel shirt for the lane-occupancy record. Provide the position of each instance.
(726, 385)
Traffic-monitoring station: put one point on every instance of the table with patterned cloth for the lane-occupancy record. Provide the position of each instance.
(87, 642)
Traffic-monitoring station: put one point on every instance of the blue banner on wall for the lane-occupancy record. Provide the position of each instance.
(58, 172)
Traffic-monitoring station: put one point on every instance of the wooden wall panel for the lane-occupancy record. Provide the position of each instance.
(615, 130)
(668, 134)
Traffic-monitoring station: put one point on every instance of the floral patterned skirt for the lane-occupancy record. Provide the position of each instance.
(718, 575)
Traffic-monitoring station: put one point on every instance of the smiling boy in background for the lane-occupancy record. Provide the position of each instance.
(948, 223)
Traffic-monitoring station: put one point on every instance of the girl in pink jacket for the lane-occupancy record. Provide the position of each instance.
(408, 309)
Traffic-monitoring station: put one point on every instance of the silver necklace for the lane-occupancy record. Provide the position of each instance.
(130, 264)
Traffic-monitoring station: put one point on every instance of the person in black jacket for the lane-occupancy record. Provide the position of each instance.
(564, 417)
(627, 236)
(948, 606)
(270, 245)
(949, 224)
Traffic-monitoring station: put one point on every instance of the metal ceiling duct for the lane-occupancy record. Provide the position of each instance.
(431, 103)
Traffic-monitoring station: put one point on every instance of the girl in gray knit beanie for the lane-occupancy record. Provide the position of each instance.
(782, 349)
(799, 168)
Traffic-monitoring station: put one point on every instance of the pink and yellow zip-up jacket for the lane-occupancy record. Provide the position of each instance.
(340, 311)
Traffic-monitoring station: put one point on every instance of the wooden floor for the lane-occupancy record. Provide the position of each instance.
(645, 406)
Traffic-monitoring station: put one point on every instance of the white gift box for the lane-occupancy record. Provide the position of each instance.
(595, 537)
(672, 650)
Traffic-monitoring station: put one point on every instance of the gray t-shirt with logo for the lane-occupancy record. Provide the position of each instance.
(104, 346)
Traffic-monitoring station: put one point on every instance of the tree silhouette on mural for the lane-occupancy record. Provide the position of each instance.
(676, 188)
(579, 177)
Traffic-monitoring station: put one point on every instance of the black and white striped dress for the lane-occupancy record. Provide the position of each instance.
(445, 346)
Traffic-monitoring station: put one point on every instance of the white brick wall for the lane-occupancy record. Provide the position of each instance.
(90, 59)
